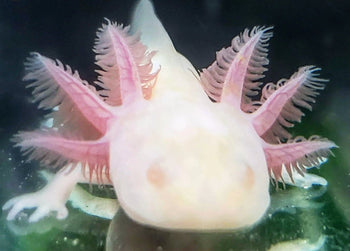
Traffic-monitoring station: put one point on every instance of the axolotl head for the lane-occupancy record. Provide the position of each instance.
(180, 161)
(187, 166)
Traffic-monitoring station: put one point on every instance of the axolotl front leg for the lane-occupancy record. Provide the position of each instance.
(51, 198)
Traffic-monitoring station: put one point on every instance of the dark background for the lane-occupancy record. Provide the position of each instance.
(306, 32)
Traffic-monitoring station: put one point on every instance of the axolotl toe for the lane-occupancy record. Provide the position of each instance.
(176, 158)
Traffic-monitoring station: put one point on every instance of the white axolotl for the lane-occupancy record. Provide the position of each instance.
(176, 159)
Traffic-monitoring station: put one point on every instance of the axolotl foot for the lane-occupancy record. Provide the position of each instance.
(41, 200)
(51, 198)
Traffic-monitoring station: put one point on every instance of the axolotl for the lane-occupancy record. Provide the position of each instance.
(183, 149)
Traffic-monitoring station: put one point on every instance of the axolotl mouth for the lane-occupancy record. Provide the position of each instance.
(183, 150)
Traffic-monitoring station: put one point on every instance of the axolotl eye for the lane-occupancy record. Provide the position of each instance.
(156, 175)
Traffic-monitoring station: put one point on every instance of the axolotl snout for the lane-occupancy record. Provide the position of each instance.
(176, 158)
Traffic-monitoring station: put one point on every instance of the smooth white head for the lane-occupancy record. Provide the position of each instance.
(179, 165)
(180, 161)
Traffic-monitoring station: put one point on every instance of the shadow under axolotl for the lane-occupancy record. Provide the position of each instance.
(125, 234)
(295, 218)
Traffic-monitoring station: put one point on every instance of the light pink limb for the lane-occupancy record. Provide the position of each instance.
(51, 198)
(55, 150)
(54, 85)
(234, 74)
(282, 103)
(306, 180)
(125, 63)
(297, 154)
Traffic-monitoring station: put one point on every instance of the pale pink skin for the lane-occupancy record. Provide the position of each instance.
(176, 159)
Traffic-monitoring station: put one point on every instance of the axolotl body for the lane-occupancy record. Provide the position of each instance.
(177, 159)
